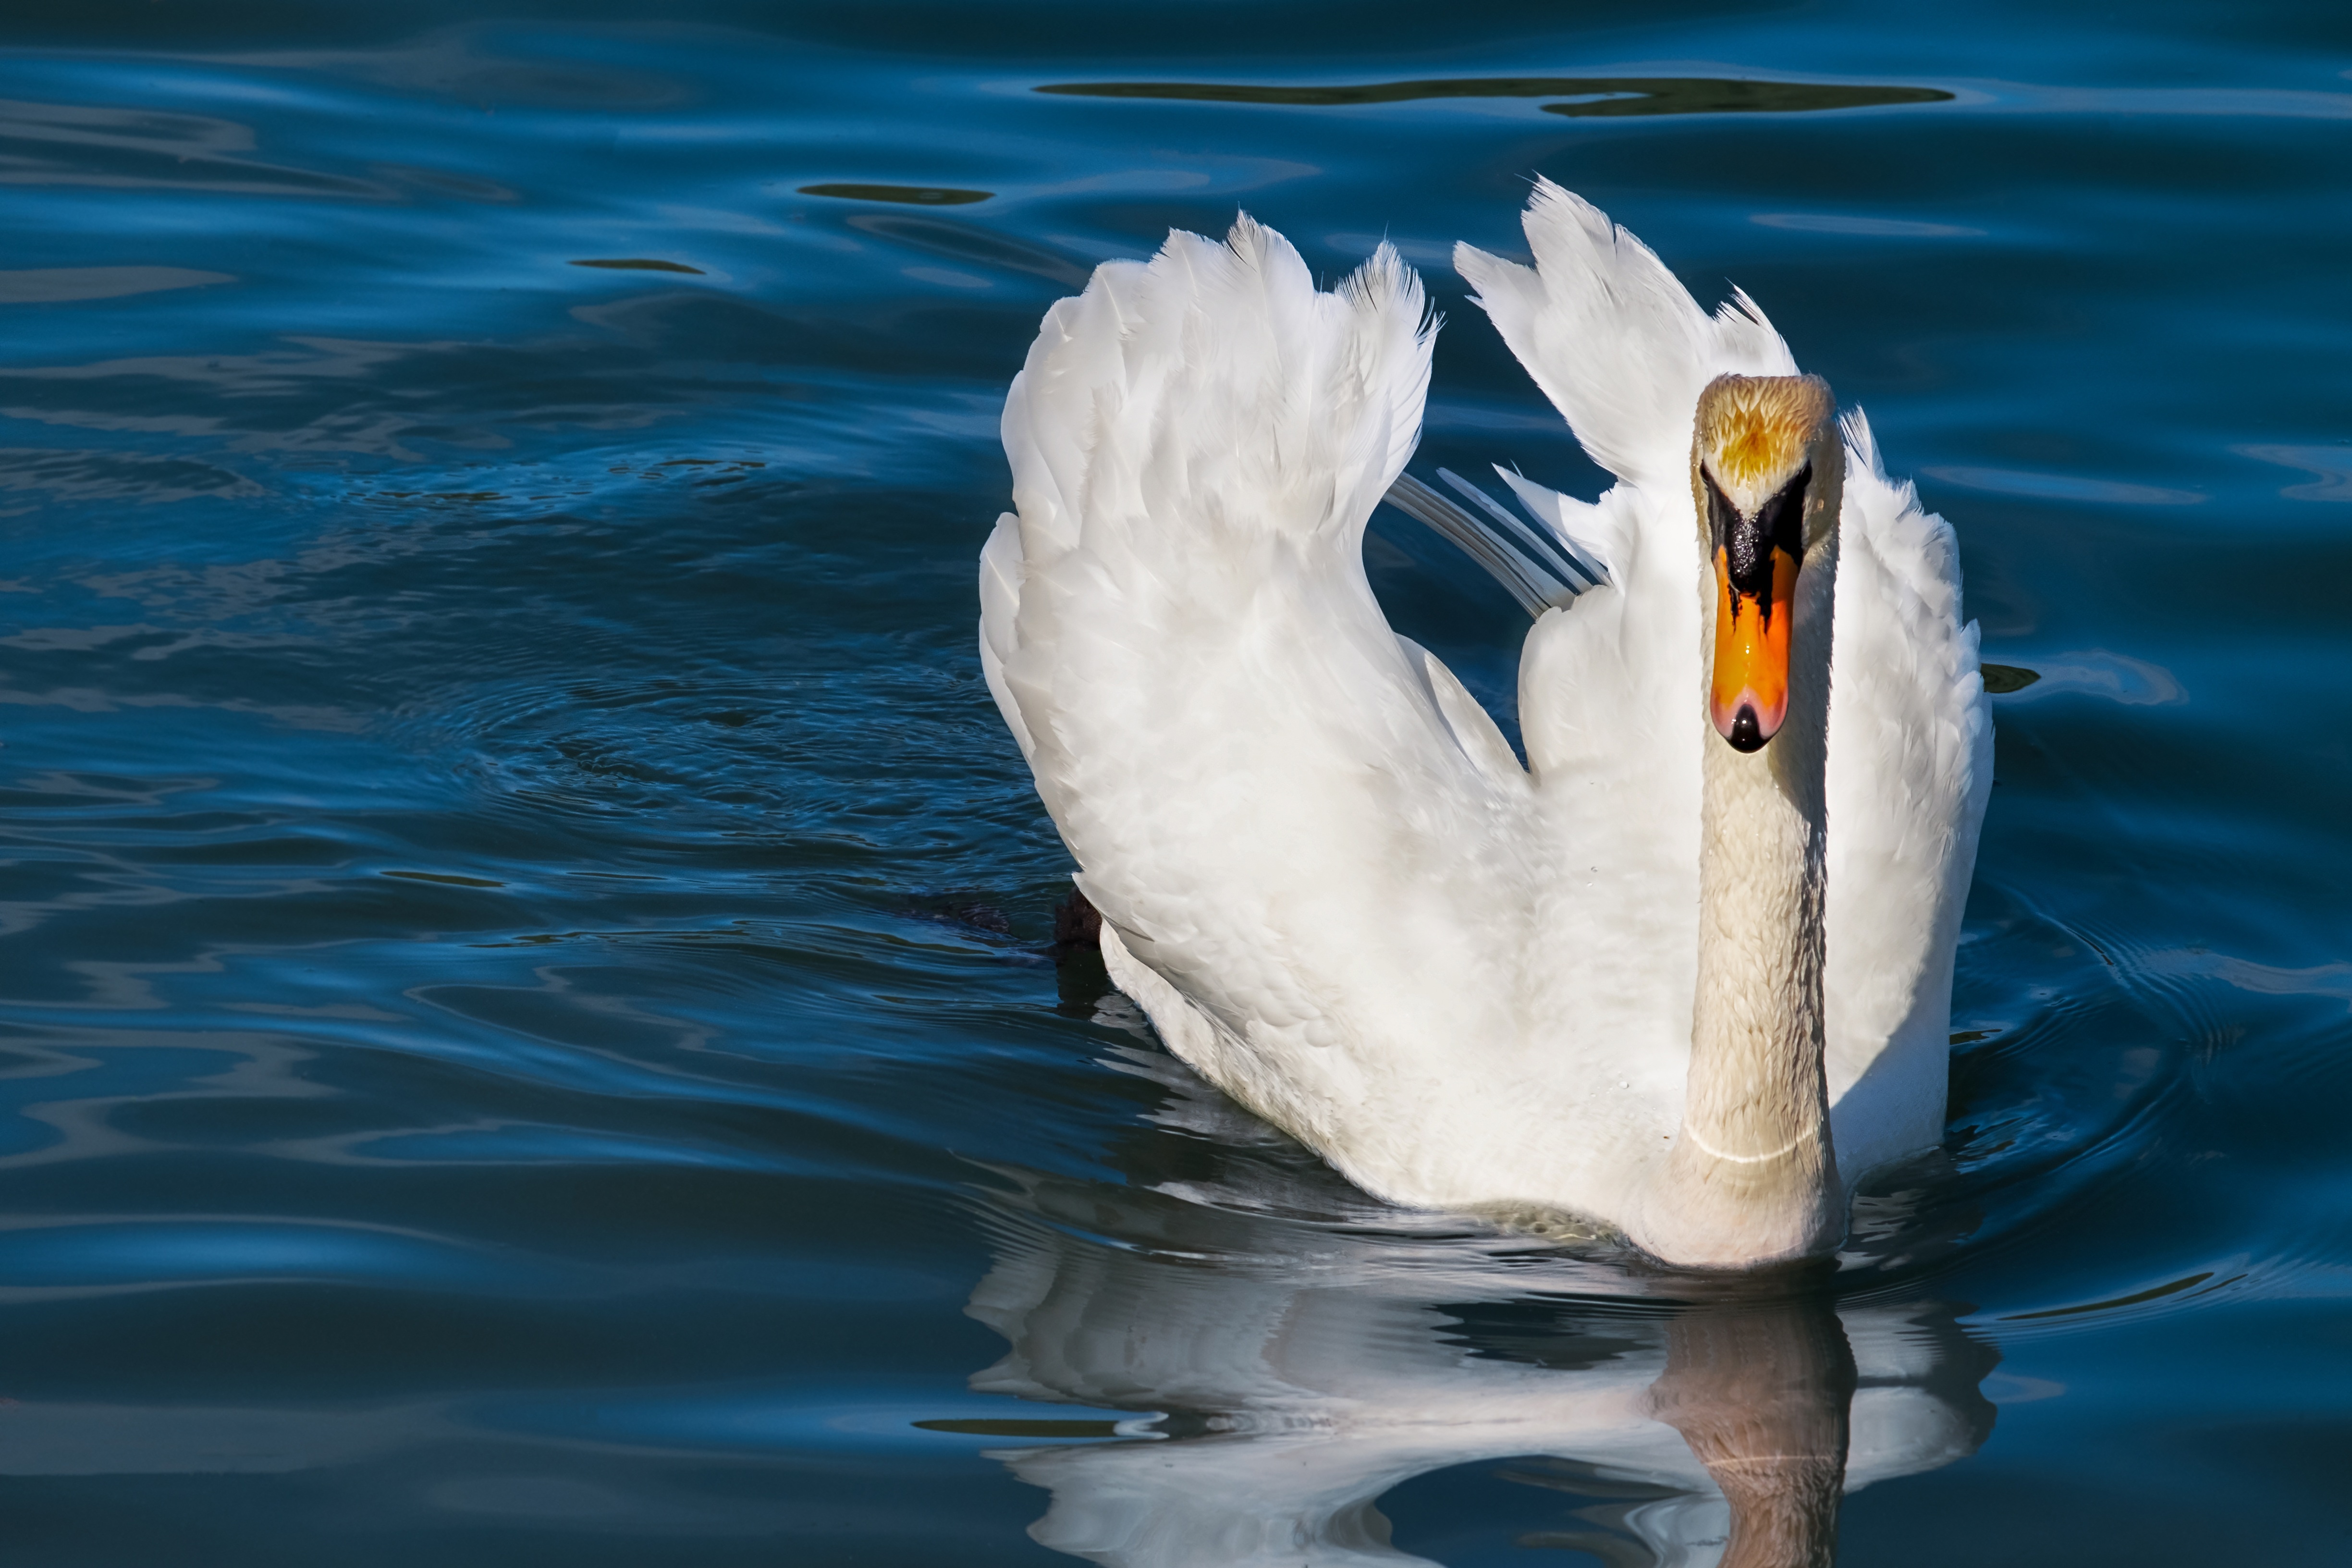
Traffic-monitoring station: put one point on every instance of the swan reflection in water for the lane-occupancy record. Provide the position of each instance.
(1291, 1356)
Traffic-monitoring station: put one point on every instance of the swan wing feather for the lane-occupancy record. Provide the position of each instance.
(1296, 821)
(1910, 768)
(1608, 686)
(1322, 870)
(1612, 338)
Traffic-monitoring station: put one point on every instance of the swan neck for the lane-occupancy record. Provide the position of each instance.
(1751, 1176)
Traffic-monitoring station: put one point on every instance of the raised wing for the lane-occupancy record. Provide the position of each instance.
(1300, 826)
(1614, 339)
(1910, 767)
(1608, 686)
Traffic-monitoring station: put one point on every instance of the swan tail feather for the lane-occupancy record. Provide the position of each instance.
(1535, 586)
(1547, 547)
(1594, 537)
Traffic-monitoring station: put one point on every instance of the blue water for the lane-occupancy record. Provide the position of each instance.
(528, 1034)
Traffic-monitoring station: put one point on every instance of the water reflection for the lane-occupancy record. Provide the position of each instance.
(964, 242)
(1291, 1356)
(60, 285)
(82, 144)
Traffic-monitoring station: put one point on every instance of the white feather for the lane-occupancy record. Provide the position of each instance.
(1617, 344)
(1324, 875)
(1910, 767)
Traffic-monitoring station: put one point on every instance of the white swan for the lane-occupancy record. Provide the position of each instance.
(1689, 983)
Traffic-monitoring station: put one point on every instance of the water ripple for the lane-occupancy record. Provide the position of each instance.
(528, 1015)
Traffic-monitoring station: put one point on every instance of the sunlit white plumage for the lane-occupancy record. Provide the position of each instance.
(1322, 870)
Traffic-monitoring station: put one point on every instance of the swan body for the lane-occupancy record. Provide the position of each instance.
(1322, 870)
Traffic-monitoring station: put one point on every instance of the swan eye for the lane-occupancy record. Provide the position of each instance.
(1781, 520)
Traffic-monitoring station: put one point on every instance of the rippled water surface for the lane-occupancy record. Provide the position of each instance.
(529, 1029)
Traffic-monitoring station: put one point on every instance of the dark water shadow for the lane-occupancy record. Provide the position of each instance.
(963, 242)
(1597, 96)
(909, 195)
(639, 264)
(145, 149)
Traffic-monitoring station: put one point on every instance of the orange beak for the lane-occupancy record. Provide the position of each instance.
(1749, 694)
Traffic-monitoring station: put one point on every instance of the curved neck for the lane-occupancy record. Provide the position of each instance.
(1751, 1176)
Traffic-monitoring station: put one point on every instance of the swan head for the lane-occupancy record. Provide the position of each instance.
(1766, 473)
